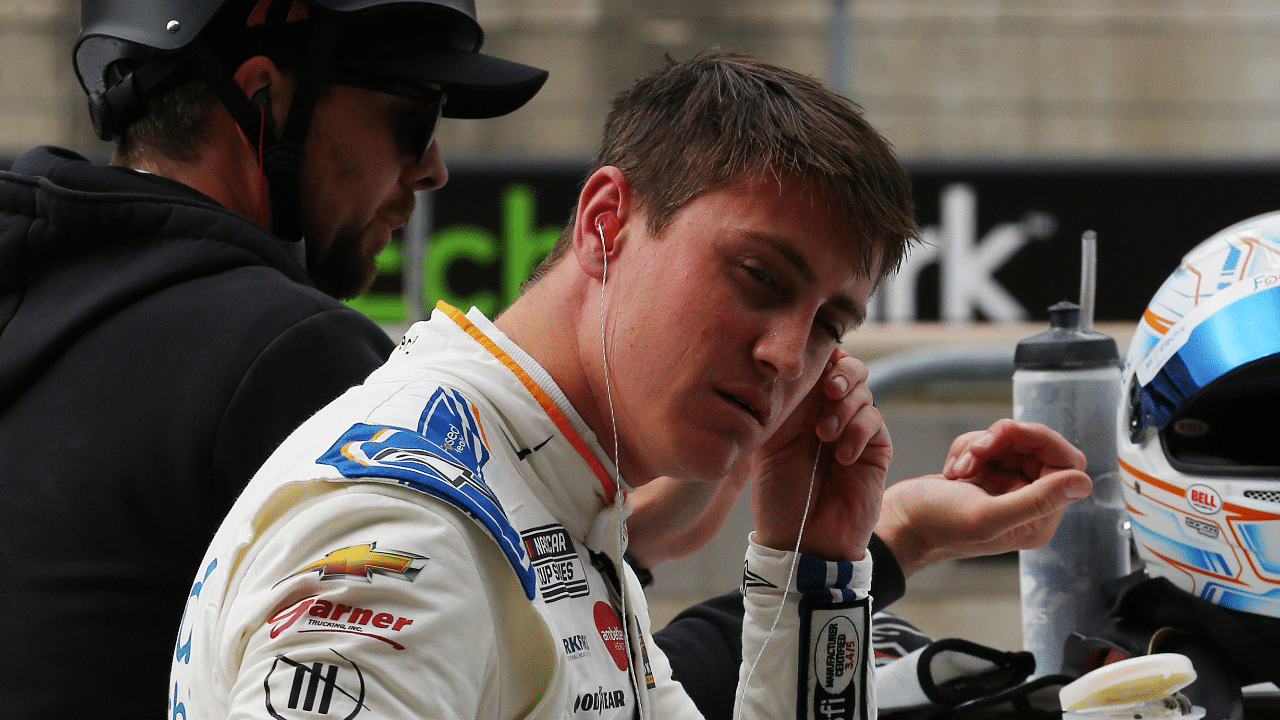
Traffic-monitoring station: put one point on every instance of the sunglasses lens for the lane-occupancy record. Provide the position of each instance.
(423, 142)
(419, 132)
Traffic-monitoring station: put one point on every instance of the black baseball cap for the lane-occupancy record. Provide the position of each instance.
(444, 54)
(129, 50)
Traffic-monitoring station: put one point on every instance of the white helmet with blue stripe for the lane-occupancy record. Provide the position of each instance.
(1199, 430)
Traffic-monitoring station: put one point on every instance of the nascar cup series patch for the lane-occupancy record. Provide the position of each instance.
(444, 458)
(556, 563)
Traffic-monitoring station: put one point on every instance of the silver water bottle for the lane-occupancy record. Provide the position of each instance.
(1069, 379)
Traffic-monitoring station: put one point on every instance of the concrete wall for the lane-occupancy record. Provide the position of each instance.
(40, 100)
(1005, 79)
(942, 78)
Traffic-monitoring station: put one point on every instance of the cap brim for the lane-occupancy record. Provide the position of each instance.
(476, 85)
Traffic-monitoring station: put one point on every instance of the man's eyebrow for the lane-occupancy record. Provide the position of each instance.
(841, 302)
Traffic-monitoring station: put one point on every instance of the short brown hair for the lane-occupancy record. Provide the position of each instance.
(721, 118)
(172, 125)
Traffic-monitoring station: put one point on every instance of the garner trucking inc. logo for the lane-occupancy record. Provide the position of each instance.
(555, 563)
(361, 562)
(326, 616)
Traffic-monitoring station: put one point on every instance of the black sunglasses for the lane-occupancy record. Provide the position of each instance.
(415, 129)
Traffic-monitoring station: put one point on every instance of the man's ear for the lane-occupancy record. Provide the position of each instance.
(600, 225)
(269, 88)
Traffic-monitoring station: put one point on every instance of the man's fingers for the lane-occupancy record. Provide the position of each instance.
(1013, 444)
(843, 374)
(957, 449)
(1028, 438)
(861, 430)
(1046, 497)
(838, 415)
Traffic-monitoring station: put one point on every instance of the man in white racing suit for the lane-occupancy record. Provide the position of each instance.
(446, 540)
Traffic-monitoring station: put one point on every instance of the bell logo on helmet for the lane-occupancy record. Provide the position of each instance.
(1190, 427)
(1204, 499)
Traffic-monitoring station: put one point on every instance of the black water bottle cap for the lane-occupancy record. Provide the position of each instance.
(1064, 345)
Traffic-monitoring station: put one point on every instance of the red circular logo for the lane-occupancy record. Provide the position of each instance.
(611, 633)
(1204, 499)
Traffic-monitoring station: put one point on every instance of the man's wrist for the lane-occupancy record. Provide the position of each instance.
(894, 531)
(771, 568)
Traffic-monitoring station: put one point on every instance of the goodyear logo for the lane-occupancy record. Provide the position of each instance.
(600, 700)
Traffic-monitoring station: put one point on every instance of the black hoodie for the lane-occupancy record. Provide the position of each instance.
(154, 349)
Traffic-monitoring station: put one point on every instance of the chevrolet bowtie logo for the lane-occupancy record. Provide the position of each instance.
(360, 562)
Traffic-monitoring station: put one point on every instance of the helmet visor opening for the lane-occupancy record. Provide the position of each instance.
(1230, 427)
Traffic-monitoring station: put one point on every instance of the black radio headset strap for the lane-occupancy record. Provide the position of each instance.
(281, 157)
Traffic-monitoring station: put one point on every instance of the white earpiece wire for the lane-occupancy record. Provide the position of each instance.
(617, 477)
(791, 573)
(617, 472)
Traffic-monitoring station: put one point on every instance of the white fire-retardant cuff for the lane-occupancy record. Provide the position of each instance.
(817, 662)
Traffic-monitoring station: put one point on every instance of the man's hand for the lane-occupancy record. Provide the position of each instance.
(1001, 489)
(851, 468)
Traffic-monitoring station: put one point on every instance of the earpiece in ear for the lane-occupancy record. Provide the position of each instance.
(262, 98)
(607, 229)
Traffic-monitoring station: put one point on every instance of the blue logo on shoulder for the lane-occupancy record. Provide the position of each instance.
(444, 458)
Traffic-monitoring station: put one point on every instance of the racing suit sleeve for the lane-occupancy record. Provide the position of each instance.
(703, 643)
(806, 645)
(368, 601)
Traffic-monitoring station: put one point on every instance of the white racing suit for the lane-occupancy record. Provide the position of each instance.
(444, 541)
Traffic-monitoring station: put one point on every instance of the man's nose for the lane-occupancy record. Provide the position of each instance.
(430, 174)
(780, 349)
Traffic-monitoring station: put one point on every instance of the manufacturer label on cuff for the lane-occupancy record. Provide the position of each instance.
(834, 661)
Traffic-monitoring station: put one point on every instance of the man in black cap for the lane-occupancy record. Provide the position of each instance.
(167, 320)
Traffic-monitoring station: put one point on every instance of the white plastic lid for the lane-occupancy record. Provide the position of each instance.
(1136, 680)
